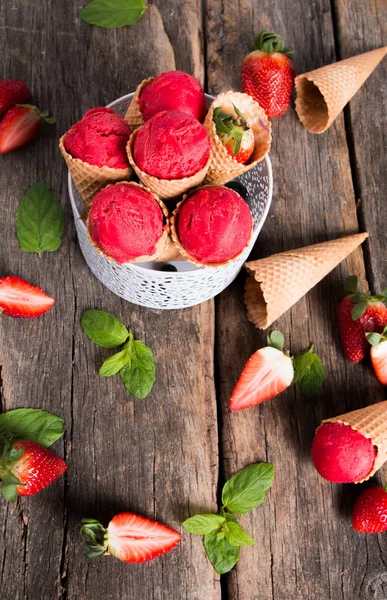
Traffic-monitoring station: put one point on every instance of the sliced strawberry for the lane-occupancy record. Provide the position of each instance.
(129, 537)
(12, 92)
(234, 133)
(370, 511)
(18, 298)
(28, 468)
(20, 125)
(267, 373)
(379, 354)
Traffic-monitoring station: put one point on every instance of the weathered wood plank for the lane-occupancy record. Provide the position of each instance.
(156, 456)
(306, 547)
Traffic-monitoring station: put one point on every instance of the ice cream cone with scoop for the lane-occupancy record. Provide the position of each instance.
(323, 93)
(350, 448)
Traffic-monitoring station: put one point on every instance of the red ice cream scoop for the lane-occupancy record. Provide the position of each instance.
(100, 139)
(173, 90)
(126, 222)
(214, 224)
(171, 145)
(342, 454)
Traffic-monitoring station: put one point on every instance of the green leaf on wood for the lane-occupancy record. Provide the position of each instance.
(113, 13)
(104, 329)
(223, 556)
(31, 424)
(236, 536)
(245, 490)
(39, 220)
(308, 372)
(203, 524)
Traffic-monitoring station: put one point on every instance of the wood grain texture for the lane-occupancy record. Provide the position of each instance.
(306, 547)
(157, 456)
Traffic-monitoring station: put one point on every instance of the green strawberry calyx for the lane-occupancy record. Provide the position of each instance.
(43, 114)
(9, 455)
(361, 299)
(271, 42)
(95, 537)
(377, 338)
(230, 128)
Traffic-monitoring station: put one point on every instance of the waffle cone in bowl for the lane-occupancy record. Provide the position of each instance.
(279, 281)
(165, 248)
(90, 179)
(133, 115)
(165, 188)
(323, 93)
(224, 167)
(176, 240)
(371, 422)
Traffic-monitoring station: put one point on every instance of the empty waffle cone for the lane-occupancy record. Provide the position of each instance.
(90, 179)
(371, 422)
(133, 115)
(323, 93)
(165, 188)
(224, 167)
(164, 244)
(279, 281)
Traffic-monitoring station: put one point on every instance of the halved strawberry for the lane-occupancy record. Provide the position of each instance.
(18, 298)
(268, 372)
(234, 133)
(20, 125)
(12, 92)
(26, 468)
(378, 343)
(129, 537)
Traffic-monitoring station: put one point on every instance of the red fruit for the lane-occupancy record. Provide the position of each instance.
(234, 133)
(379, 354)
(20, 125)
(12, 92)
(129, 537)
(267, 373)
(358, 314)
(32, 465)
(370, 511)
(18, 298)
(267, 74)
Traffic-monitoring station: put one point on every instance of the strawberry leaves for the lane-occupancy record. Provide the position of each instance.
(223, 536)
(361, 300)
(39, 220)
(134, 362)
(113, 13)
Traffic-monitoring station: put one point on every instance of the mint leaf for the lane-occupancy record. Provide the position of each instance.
(359, 310)
(276, 340)
(203, 524)
(222, 555)
(104, 329)
(236, 536)
(246, 489)
(139, 376)
(113, 13)
(308, 372)
(31, 424)
(115, 363)
(39, 220)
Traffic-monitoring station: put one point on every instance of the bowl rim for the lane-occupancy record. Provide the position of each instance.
(163, 274)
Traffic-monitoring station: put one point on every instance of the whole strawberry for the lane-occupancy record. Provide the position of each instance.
(370, 511)
(12, 92)
(358, 314)
(26, 468)
(267, 74)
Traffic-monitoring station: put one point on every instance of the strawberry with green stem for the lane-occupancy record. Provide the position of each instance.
(360, 313)
(235, 134)
(20, 126)
(271, 370)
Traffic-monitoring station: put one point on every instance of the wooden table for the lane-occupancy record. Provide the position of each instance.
(167, 456)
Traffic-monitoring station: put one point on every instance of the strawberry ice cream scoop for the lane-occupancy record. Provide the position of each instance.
(214, 224)
(100, 139)
(173, 90)
(171, 145)
(342, 454)
(126, 222)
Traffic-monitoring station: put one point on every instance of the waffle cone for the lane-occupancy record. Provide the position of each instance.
(371, 422)
(90, 179)
(163, 245)
(279, 281)
(175, 236)
(224, 167)
(323, 93)
(133, 115)
(165, 188)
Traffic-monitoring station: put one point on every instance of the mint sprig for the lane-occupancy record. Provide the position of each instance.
(223, 536)
(308, 371)
(39, 220)
(134, 361)
(113, 13)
